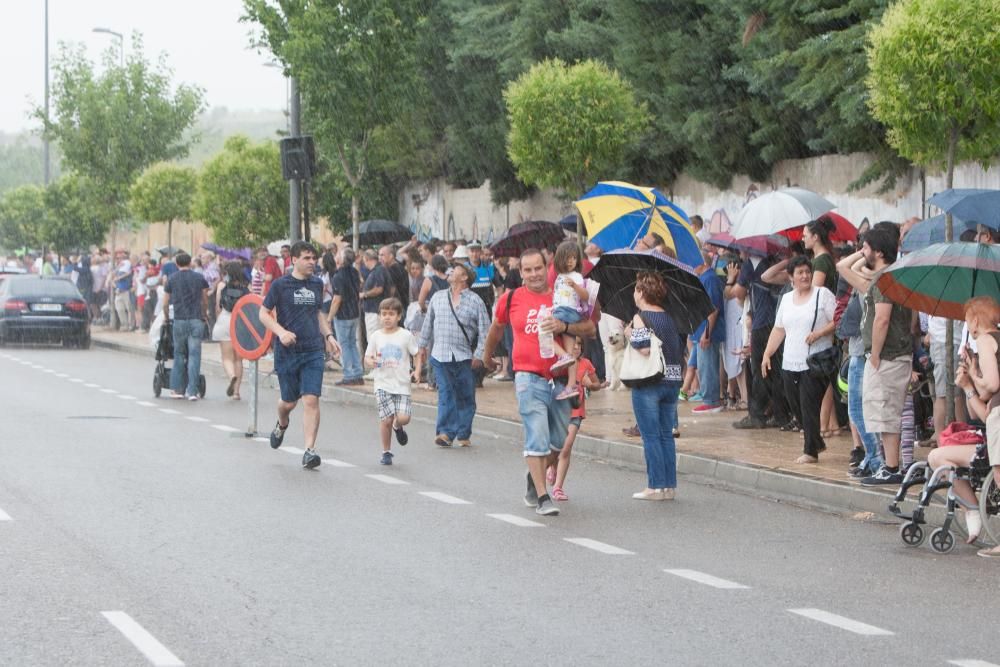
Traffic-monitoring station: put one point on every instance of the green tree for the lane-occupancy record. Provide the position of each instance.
(22, 163)
(75, 216)
(933, 80)
(111, 126)
(571, 125)
(164, 193)
(22, 215)
(242, 195)
(355, 65)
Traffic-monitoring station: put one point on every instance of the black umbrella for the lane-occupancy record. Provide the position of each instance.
(380, 232)
(536, 234)
(687, 301)
(569, 223)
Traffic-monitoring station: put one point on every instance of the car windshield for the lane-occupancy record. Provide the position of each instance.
(36, 287)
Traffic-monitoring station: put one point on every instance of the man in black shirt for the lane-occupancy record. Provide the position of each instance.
(187, 291)
(344, 313)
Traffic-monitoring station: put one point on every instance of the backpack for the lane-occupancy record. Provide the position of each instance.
(230, 295)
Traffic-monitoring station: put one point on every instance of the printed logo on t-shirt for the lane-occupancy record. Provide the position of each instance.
(531, 321)
(304, 296)
(391, 356)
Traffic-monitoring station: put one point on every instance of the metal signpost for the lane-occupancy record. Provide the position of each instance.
(251, 341)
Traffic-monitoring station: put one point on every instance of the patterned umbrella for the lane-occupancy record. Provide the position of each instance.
(524, 235)
(687, 302)
(617, 215)
(939, 279)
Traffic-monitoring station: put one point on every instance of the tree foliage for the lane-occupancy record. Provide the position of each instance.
(242, 195)
(934, 81)
(22, 162)
(164, 192)
(75, 216)
(22, 216)
(571, 125)
(111, 125)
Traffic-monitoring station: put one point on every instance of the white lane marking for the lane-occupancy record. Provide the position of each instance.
(62, 375)
(168, 411)
(517, 520)
(197, 419)
(227, 429)
(609, 549)
(110, 391)
(4, 516)
(445, 498)
(338, 464)
(49, 370)
(842, 622)
(260, 439)
(146, 404)
(126, 397)
(293, 450)
(91, 385)
(155, 652)
(386, 479)
(36, 367)
(707, 579)
(77, 380)
(972, 663)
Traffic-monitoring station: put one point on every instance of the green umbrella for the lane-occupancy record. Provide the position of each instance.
(939, 279)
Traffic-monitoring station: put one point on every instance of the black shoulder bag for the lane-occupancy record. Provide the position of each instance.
(825, 363)
(471, 341)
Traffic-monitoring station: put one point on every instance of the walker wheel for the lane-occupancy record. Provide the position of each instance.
(911, 534)
(942, 541)
(157, 384)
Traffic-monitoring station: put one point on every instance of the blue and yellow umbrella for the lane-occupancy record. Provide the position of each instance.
(617, 215)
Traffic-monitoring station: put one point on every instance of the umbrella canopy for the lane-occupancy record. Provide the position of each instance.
(843, 230)
(939, 279)
(228, 253)
(569, 222)
(274, 247)
(971, 205)
(617, 215)
(722, 240)
(379, 232)
(168, 250)
(930, 231)
(762, 246)
(687, 302)
(524, 235)
(779, 210)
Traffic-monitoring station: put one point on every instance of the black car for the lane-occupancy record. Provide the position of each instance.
(37, 309)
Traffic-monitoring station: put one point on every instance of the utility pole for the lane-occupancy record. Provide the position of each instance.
(294, 190)
(46, 140)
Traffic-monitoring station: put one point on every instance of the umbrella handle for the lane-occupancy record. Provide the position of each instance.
(645, 224)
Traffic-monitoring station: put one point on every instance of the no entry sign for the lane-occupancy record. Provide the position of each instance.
(251, 339)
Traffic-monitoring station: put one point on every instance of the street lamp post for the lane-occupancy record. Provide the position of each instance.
(46, 140)
(121, 42)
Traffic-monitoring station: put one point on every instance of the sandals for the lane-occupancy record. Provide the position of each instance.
(992, 552)
(805, 458)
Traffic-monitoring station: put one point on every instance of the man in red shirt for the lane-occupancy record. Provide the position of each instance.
(272, 271)
(545, 418)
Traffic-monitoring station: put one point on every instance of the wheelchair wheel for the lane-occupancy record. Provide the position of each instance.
(912, 534)
(942, 541)
(989, 507)
(201, 386)
(157, 383)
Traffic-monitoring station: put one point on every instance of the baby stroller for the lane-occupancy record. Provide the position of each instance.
(979, 475)
(165, 353)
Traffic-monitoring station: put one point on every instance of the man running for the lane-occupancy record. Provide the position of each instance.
(292, 312)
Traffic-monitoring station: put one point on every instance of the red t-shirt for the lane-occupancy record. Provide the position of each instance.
(523, 318)
(271, 267)
(583, 369)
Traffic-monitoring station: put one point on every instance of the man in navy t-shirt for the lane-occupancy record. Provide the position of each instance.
(187, 292)
(709, 337)
(292, 312)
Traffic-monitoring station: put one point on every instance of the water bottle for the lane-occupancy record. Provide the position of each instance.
(546, 344)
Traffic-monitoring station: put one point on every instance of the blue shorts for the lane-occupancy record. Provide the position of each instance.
(567, 314)
(545, 418)
(300, 374)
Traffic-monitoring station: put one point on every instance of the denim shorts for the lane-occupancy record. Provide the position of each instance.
(545, 418)
(566, 314)
(300, 374)
(576, 421)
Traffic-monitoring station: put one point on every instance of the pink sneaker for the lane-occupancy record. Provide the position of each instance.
(568, 392)
(562, 362)
(550, 475)
(706, 409)
(558, 494)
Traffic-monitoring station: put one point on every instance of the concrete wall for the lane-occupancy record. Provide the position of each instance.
(435, 209)
(189, 236)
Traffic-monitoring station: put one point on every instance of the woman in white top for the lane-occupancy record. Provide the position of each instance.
(804, 322)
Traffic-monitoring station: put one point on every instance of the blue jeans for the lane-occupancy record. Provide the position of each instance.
(655, 409)
(187, 355)
(456, 398)
(708, 373)
(855, 374)
(347, 336)
(545, 419)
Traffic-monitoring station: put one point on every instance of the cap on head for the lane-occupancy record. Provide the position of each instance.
(474, 244)
(461, 252)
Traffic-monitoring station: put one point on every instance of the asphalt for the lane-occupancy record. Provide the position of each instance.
(229, 553)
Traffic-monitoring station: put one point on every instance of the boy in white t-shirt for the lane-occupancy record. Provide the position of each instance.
(390, 351)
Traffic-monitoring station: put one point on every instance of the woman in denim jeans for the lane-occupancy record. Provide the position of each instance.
(655, 405)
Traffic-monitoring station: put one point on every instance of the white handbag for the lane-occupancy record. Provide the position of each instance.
(640, 370)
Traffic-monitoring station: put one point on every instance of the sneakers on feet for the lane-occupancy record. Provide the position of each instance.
(546, 507)
(176, 395)
(857, 456)
(706, 409)
(193, 397)
(401, 436)
(441, 440)
(562, 362)
(310, 459)
(386, 459)
(278, 434)
(748, 423)
(567, 393)
(632, 431)
(531, 497)
(883, 476)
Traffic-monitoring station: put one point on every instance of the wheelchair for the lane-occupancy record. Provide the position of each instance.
(942, 540)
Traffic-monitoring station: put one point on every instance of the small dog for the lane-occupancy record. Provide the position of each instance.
(614, 353)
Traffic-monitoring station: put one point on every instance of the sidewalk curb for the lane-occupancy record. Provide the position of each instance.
(785, 487)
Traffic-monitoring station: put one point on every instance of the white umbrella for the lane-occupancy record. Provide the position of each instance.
(779, 210)
(274, 248)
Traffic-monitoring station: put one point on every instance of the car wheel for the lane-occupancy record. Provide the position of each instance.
(83, 342)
